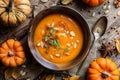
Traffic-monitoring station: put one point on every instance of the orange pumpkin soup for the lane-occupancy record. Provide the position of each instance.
(58, 38)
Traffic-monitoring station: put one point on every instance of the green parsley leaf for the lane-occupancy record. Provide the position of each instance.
(52, 31)
(49, 26)
(54, 42)
(47, 36)
(67, 49)
(58, 48)
(51, 43)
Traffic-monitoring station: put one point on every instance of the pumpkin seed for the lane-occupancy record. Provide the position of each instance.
(28, 79)
(67, 53)
(67, 32)
(68, 44)
(72, 33)
(78, 41)
(93, 14)
(104, 7)
(109, 6)
(41, 44)
(118, 13)
(52, 25)
(22, 73)
(24, 66)
(57, 55)
(107, 11)
(65, 2)
(75, 45)
(51, 56)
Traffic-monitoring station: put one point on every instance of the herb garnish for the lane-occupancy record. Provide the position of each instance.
(67, 49)
(52, 31)
(54, 42)
(47, 36)
(49, 26)
(58, 48)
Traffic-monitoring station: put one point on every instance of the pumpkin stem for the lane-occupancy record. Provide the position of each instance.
(10, 6)
(10, 53)
(105, 75)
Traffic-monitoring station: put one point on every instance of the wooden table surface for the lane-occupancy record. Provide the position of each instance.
(91, 14)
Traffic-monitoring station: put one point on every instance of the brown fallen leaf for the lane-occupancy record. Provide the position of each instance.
(50, 77)
(12, 73)
(118, 45)
(74, 77)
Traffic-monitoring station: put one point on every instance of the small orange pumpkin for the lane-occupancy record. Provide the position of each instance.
(103, 69)
(12, 53)
(93, 2)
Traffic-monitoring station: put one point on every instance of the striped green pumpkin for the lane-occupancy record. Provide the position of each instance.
(14, 12)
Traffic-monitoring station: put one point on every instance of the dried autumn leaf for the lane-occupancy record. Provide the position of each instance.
(65, 2)
(50, 77)
(8, 73)
(11, 73)
(118, 45)
(75, 77)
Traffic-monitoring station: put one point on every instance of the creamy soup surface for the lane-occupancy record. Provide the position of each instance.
(58, 38)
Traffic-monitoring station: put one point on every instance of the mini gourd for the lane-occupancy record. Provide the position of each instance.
(14, 12)
(93, 2)
(103, 69)
(12, 53)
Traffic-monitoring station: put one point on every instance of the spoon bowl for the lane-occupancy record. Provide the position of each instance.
(100, 27)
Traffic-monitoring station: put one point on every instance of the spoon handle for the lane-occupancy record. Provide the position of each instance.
(79, 68)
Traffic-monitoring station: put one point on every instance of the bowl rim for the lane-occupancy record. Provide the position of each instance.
(36, 56)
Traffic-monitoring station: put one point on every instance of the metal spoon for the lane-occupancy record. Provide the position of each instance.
(99, 27)
(98, 30)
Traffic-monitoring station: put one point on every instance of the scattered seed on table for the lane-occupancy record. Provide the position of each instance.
(44, 1)
(118, 13)
(22, 73)
(104, 7)
(93, 14)
(28, 79)
(106, 11)
(24, 66)
(109, 7)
